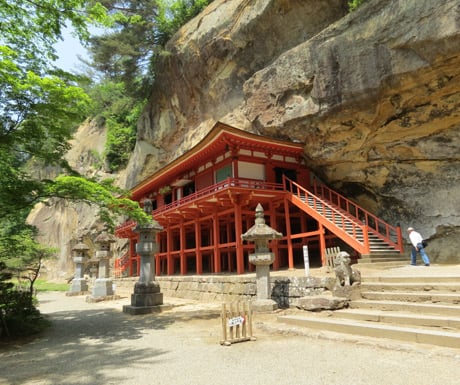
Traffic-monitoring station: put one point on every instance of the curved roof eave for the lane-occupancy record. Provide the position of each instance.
(212, 142)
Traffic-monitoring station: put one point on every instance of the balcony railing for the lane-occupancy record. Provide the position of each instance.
(218, 187)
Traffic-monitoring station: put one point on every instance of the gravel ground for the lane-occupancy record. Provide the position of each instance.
(97, 344)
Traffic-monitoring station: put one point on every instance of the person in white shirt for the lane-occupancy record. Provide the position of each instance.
(417, 246)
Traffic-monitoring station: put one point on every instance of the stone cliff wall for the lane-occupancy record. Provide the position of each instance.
(374, 95)
(201, 78)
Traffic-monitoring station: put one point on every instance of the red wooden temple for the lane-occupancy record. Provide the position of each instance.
(206, 199)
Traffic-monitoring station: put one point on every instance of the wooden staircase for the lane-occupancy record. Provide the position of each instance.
(420, 309)
(374, 239)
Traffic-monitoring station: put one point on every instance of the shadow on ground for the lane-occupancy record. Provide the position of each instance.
(82, 345)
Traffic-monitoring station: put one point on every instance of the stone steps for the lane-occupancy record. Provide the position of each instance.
(417, 308)
(345, 222)
(403, 296)
(420, 309)
(383, 259)
(443, 338)
(400, 317)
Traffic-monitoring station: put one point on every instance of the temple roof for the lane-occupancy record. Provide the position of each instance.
(216, 142)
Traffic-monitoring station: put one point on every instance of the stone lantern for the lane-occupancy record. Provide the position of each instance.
(79, 284)
(103, 285)
(262, 258)
(147, 296)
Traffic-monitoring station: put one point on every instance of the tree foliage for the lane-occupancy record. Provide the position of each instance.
(353, 4)
(174, 14)
(40, 106)
(125, 57)
(127, 51)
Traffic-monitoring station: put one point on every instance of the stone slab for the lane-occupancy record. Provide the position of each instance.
(138, 310)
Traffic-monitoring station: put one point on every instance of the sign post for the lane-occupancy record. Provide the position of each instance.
(306, 260)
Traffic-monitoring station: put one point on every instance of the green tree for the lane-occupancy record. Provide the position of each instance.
(173, 14)
(40, 106)
(125, 57)
(119, 112)
(123, 52)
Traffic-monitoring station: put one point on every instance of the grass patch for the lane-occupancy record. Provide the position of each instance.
(42, 285)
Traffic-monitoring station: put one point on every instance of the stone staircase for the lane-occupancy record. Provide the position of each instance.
(383, 259)
(420, 309)
(379, 248)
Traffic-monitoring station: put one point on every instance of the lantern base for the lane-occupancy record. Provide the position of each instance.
(145, 299)
(264, 305)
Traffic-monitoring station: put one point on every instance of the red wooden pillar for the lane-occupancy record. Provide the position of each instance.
(132, 256)
(274, 243)
(157, 257)
(288, 235)
(322, 244)
(215, 227)
(170, 264)
(239, 241)
(228, 233)
(199, 256)
(183, 261)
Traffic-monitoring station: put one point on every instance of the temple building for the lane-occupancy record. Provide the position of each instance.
(205, 200)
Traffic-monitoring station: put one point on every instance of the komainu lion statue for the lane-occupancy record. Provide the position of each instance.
(345, 275)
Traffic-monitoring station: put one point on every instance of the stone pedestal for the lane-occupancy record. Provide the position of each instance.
(147, 297)
(262, 258)
(103, 285)
(79, 286)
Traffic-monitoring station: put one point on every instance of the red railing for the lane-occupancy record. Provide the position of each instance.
(331, 217)
(227, 183)
(352, 220)
(390, 234)
(120, 265)
(129, 224)
(210, 190)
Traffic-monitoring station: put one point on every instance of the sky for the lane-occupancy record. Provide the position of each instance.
(69, 50)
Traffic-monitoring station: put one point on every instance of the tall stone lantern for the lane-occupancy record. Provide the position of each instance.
(79, 284)
(262, 258)
(103, 285)
(147, 296)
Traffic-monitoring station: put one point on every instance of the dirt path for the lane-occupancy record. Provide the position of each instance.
(97, 344)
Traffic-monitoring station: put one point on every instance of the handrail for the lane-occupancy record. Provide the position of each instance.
(338, 218)
(390, 234)
(128, 224)
(121, 264)
(342, 209)
(227, 183)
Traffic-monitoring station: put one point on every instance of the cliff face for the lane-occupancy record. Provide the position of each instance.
(374, 95)
(201, 79)
(60, 223)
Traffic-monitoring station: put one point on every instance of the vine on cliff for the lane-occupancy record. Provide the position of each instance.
(353, 4)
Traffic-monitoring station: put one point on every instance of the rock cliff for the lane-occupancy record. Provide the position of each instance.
(374, 95)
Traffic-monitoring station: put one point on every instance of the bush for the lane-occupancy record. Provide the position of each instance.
(19, 316)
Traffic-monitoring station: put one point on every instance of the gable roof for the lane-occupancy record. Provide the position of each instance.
(217, 141)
